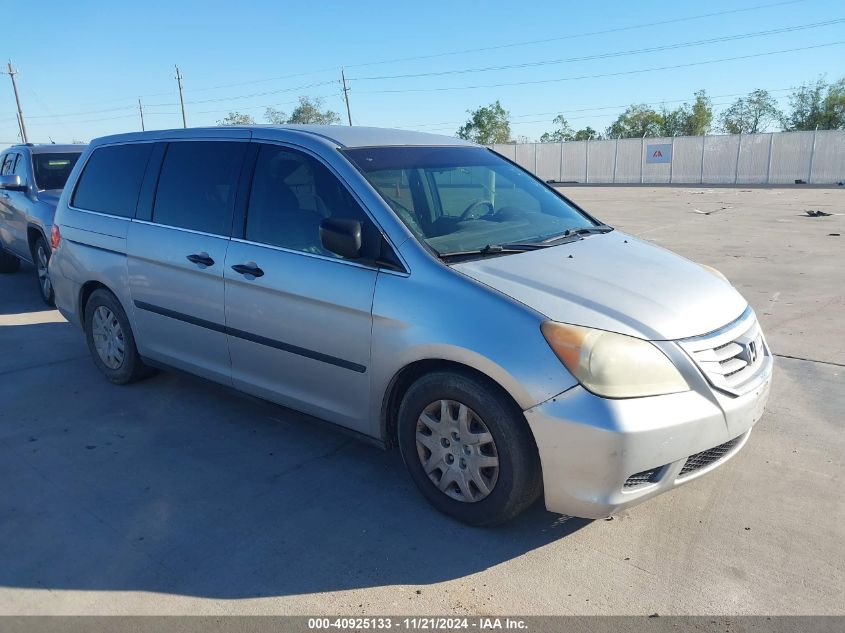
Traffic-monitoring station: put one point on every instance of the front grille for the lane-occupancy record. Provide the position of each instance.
(705, 458)
(733, 358)
(640, 479)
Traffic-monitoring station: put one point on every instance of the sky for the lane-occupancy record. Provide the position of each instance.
(82, 66)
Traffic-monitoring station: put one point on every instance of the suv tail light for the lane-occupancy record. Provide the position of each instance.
(55, 236)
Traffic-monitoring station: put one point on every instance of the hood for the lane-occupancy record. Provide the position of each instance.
(614, 282)
(50, 196)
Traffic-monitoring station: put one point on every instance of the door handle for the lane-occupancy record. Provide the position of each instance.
(201, 258)
(250, 268)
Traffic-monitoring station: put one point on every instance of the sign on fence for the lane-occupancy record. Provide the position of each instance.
(661, 153)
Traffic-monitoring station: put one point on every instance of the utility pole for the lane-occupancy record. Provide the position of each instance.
(181, 98)
(346, 95)
(21, 124)
(141, 111)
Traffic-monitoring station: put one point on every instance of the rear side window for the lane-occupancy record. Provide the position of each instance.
(197, 185)
(111, 180)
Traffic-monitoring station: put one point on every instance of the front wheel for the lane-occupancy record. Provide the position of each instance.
(41, 254)
(468, 448)
(110, 339)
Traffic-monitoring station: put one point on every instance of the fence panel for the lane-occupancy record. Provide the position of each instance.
(525, 155)
(791, 157)
(829, 158)
(574, 161)
(686, 159)
(600, 157)
(508, 150)
(629, 159)
(720, 154)
(754, 159)
(655, 172)
(548, 161)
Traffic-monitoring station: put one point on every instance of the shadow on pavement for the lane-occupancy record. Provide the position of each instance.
(179, 486)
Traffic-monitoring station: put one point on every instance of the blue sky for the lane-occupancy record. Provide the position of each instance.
(82, 65)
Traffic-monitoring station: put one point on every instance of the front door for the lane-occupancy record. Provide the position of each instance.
(299, 318)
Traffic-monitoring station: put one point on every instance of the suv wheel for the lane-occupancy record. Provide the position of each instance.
(8, 262)
(41, 255)
(468, 448)
(110, 339)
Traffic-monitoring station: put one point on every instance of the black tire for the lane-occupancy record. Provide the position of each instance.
(131, 368)
(519, 477)
(41, 256)
(8, 262)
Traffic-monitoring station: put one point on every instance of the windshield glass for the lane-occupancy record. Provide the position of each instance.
(52, 170)
(459, 199)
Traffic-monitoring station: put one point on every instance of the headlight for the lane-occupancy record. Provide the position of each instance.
(613, 365)
(715, 271)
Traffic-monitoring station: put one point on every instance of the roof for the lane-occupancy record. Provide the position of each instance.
(355, 136)
(340, 135)
(45, 148)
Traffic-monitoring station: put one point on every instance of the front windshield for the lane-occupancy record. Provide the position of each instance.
(460, 199)
(52, 170)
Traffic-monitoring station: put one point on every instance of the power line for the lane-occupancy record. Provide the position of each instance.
(579, 35)
(638, 51)
(614, 74)
(420, 57)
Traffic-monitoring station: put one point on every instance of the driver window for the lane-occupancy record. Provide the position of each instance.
(291, 195)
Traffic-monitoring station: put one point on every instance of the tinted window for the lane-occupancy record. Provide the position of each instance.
(5, 166)
(291, 194)
(52, 170)
(197, 185)
(112, 179)
(19, 167)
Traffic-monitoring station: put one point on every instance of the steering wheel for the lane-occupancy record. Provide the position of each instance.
(468, 212)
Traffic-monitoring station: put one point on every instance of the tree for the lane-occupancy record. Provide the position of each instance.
(309, 111)
(636, 121)
(236, 118)
(688, 120)
(275, 117)
(817, 105)
(587, 133)
(699, 117)
(751, 114)
(487, 125)
(564, 131)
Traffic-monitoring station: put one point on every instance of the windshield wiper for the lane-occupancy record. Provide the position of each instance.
(583, 230)
(493, 249)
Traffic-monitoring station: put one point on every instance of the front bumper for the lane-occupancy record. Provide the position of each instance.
(590, 446)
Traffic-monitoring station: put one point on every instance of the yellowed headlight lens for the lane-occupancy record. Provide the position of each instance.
(613, 365)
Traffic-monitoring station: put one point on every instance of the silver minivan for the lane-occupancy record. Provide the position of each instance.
(421, 291)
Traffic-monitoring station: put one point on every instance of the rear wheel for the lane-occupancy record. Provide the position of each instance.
(41, 255)
(8, 262)
(468, 448)
(110, 339)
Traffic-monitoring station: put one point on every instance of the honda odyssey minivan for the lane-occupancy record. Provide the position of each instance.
(418, 290)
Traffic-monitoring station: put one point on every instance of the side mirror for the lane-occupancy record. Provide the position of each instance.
(12, 183)
(342, 237)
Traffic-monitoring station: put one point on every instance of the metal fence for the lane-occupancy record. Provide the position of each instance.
(744, 159)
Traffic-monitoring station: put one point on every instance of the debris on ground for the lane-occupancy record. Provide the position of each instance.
(817, 213)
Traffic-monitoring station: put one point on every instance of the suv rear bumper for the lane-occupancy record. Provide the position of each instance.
(591, 446)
